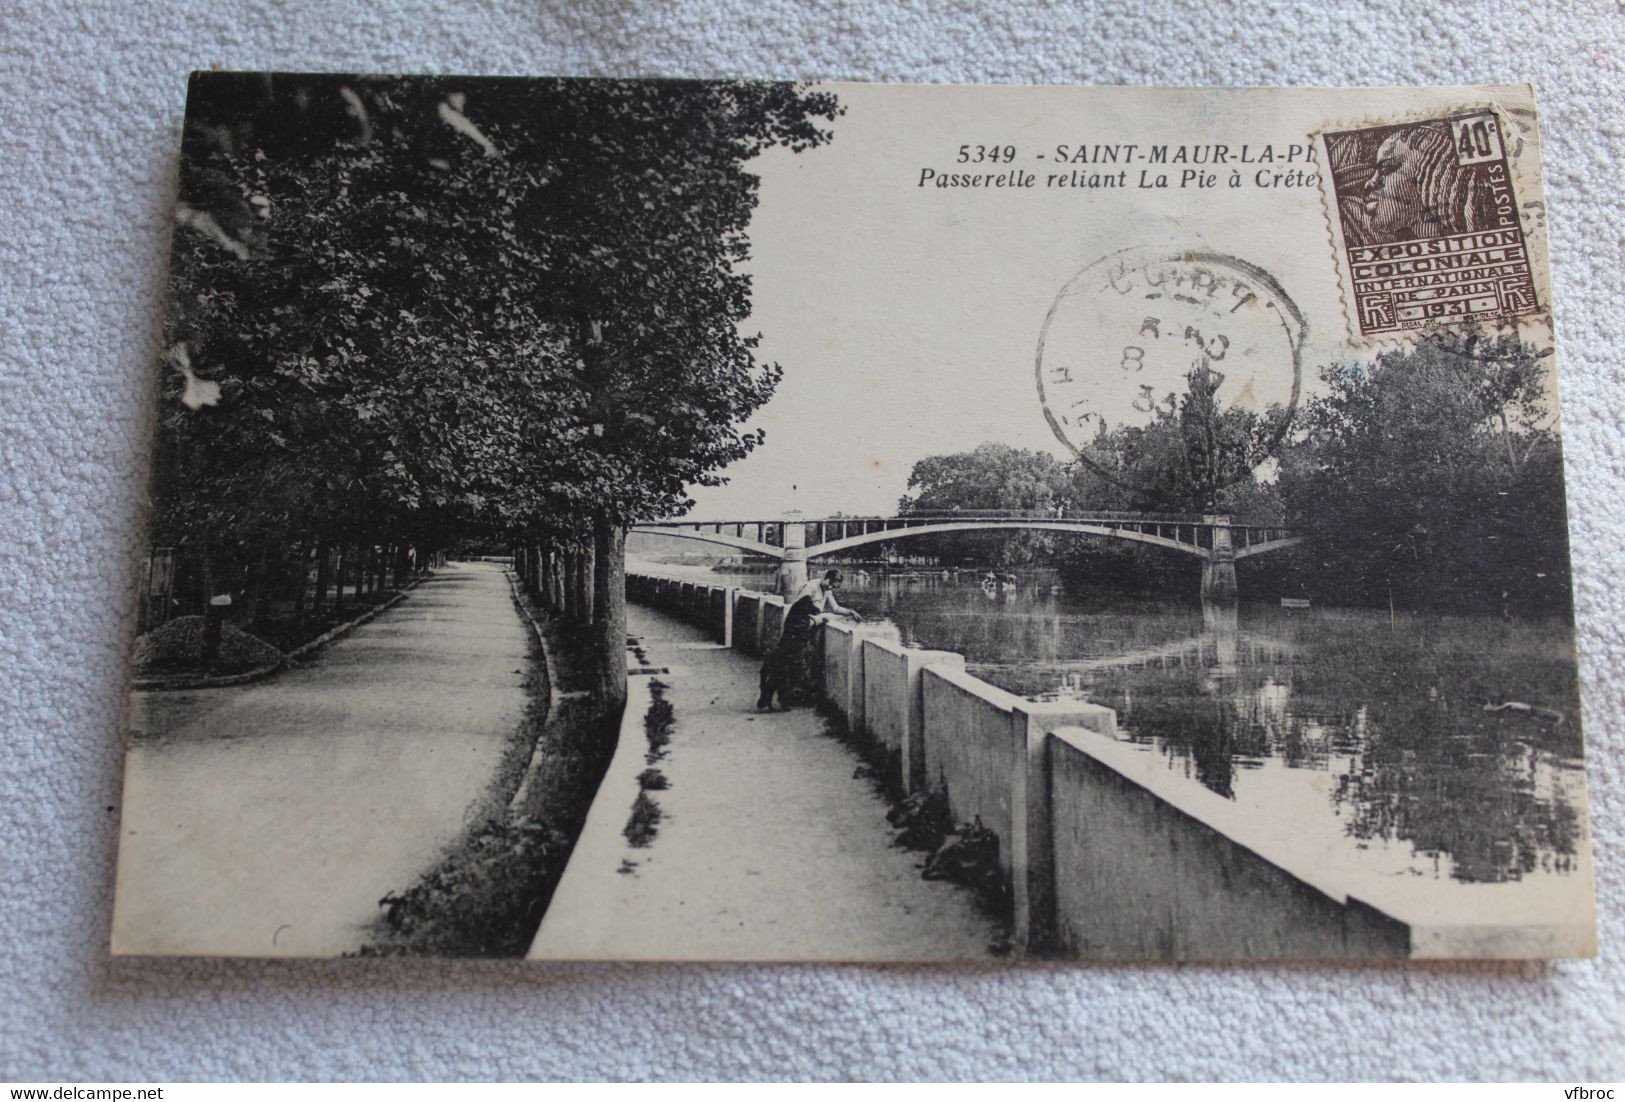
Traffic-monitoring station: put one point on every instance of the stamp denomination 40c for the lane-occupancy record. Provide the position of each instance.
(1426, 224)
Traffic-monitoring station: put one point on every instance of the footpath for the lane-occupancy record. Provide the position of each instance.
(269, 819)
(768, 845)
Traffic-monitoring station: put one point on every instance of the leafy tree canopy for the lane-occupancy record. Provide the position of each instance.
(432, 304)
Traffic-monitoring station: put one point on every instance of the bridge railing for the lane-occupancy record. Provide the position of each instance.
(939, 515)
(948, 516)
(1184, 529)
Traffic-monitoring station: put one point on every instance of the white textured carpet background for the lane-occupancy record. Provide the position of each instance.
(91, 95)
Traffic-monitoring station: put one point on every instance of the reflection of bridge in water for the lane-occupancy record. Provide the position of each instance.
(1213, 651)
(793, 540)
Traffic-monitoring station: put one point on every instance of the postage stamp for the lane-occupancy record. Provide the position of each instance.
(1429, 225)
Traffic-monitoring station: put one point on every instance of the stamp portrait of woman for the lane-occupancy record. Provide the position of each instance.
(1404, 183)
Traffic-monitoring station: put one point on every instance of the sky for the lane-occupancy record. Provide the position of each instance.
(907, 318)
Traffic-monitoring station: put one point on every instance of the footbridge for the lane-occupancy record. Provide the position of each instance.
(1217, 540)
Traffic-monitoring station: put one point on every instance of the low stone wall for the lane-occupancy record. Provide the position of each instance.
(894, 702)
(971, 754)
(1108, 854)
(843, 671)
(772, 621)
(748, 622)
(1148, 866)
(711, 607)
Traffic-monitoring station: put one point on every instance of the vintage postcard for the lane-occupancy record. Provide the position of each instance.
(673, 520)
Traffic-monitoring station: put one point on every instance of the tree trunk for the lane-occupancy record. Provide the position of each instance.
(211, 635)
(324, 577)
(256, 584)
(609, 611)
(572, 589)
(581, 582)
(572, 585)
(204, 579)
(584, 572)
(589, 603)
(273, 565)
(301, 581)
(338, 596)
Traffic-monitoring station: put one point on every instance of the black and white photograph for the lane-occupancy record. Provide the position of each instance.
(737, 520)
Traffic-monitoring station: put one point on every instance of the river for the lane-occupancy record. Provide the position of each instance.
(1438, 747)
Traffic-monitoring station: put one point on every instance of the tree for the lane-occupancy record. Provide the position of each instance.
(350, 333)
(1428, 478)
(640, 220)
(1191, 456)
(992, 477)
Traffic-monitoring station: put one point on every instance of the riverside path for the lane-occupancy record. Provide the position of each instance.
(769, 845)
(269, 819)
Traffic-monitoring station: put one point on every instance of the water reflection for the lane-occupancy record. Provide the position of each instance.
(1452, 741)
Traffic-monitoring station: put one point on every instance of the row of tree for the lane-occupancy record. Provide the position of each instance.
(411, 311)
(1425, 477)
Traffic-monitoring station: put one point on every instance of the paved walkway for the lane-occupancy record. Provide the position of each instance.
(269, 819)
(768, 847)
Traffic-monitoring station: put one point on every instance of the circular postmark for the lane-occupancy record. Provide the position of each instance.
(1148, 359)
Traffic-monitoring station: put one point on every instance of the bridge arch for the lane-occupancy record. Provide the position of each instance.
(1037, 524)
(1225, 542)
(1073, 527)
(755, 547)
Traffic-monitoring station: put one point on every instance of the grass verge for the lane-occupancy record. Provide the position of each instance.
(644, 822)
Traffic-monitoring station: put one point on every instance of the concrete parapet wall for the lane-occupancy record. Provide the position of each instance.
(836, 642)
(748, 623)
(710, 607)
(894, 705)
(970, 749)
(885, 693)
(1146, 869)
(719, 613)
(845, 678)
(772, 621)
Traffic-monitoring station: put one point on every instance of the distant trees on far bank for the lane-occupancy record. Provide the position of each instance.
(1431, 477)
(1428, 477)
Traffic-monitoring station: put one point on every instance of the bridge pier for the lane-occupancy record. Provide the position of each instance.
(1219, 565)
(793, 567)
(1221, 625)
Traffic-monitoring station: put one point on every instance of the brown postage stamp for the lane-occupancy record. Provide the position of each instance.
(1429, 223)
